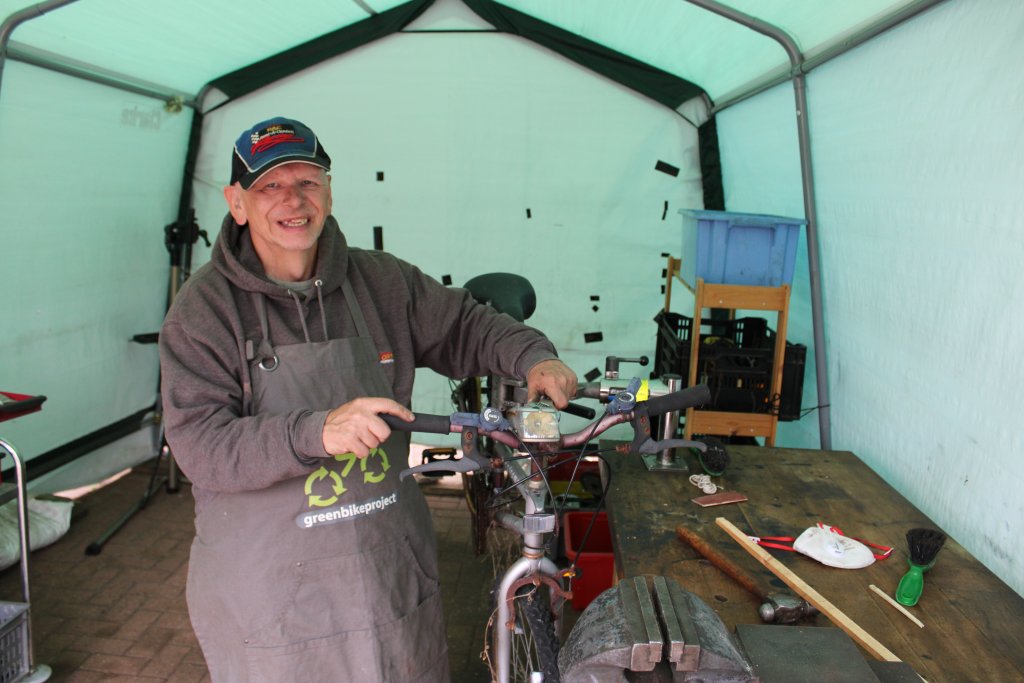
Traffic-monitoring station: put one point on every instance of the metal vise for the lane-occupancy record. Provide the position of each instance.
(657, 627)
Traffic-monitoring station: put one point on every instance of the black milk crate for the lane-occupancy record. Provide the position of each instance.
(735, 362)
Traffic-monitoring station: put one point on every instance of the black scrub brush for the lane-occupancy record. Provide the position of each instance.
(715, 458)
(924, 545)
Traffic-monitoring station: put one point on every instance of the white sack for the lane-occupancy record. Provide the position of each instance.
(48, 521)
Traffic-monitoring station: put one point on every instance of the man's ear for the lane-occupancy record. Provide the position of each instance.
(233, 196)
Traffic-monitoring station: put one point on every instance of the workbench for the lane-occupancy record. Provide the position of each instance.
(973, 622)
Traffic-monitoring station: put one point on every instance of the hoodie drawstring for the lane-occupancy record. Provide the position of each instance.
(302, 317)
(268, 358)
(319, 284)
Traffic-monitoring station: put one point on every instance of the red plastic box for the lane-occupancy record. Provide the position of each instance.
(596, 564)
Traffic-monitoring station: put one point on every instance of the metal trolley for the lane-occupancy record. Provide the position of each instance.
(16, 660)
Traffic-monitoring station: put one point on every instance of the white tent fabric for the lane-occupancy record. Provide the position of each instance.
(496, 157)
(916, 147)
(83, 260)
(919, 157)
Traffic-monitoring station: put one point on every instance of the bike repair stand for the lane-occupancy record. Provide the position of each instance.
(178, 238)
(17, 662)
(667, 460)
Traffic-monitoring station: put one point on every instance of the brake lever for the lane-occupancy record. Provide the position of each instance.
(642, 441)
(460, 465)
(470, 461)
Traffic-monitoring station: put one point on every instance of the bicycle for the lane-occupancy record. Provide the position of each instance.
(524, 644)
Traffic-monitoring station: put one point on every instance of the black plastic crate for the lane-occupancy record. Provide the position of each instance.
(735, 362)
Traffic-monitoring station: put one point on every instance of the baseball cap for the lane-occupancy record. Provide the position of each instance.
(271, 143)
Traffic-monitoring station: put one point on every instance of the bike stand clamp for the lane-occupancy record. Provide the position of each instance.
(665, 461)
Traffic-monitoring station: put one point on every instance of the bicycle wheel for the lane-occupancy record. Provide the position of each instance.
(534, 643)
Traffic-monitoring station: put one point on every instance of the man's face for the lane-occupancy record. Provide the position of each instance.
(285, 210)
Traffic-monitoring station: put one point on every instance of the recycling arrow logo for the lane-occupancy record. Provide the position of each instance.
(337, 487)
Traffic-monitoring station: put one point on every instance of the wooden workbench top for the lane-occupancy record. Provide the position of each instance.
(973, 622)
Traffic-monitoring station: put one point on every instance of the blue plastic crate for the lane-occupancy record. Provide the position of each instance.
(723, 247)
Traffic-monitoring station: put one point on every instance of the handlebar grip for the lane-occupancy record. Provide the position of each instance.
(586, 412)
(679, 400)
(434, 424)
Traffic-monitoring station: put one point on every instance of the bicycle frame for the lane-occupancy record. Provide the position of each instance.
(536, 522)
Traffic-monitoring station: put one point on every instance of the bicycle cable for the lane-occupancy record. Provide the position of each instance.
(572, 477)
(540, 470)
(593, 518)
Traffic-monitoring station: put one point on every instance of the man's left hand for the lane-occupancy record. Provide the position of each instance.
(553, 379)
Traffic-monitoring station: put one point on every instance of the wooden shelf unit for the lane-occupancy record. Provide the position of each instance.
(733, 297)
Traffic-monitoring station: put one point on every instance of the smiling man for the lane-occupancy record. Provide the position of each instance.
(312, 561)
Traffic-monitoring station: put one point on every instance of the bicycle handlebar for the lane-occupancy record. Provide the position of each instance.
(679, 400)
(639, 416)
(422, 422)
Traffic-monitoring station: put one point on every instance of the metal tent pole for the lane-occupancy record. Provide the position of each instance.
(21, 16)
(807, 178)
(77, 69)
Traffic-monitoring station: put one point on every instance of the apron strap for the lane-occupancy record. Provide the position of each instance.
(355, 311)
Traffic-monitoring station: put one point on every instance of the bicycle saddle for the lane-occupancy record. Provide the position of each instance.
(506, 292)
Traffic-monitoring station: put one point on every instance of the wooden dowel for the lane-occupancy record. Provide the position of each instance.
(859, 635)
(897, 605)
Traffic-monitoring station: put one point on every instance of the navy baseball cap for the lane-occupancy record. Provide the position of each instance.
(271, 143)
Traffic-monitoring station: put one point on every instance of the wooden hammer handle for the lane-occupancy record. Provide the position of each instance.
(720, 561)
(859, 635)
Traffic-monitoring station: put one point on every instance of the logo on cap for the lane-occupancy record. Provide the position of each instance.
(271, 136)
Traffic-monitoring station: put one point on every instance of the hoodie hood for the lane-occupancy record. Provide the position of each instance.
(235, 257)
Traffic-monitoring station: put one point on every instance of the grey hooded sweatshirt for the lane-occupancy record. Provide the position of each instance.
(212, 337)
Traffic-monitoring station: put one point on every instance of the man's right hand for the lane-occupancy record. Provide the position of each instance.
(356, 426)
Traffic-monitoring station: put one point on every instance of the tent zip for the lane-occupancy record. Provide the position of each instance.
(810, 211)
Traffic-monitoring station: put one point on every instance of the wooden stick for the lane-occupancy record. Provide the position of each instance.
(895, 604)
(859, 635)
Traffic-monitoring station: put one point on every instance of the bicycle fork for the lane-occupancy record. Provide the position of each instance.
(533, 567)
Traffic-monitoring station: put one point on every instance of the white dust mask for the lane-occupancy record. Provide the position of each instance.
(833, 549)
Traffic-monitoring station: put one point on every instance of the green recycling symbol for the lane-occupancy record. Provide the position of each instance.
(374, 468)
(369, 476)
(338, 487)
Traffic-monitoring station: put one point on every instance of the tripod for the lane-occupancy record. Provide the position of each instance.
(178, 238)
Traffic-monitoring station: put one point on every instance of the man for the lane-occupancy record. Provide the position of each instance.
(312, 561)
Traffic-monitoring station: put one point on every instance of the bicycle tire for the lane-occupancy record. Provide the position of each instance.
(534, 643)
(477, 489)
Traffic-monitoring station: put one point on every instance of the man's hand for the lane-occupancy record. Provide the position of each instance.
(356, 427)
(553, 379)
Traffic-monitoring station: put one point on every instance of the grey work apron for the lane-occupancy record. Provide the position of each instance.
(330, 577)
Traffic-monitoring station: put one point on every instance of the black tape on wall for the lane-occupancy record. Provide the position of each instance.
(668, 168)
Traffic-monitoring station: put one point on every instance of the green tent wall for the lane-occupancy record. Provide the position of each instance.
(914, 137)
